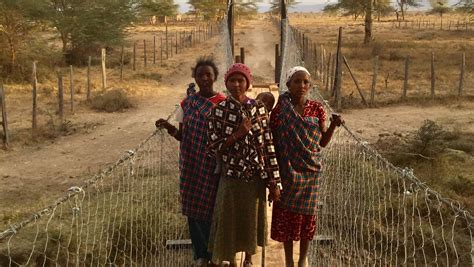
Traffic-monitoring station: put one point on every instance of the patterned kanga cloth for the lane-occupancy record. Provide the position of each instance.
(298, 152)
(198, 184)
(252, 155)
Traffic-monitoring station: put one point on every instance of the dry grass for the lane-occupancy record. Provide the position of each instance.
(111, 101)
(393, 45)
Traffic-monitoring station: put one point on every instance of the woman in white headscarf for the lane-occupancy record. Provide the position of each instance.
(299, 129)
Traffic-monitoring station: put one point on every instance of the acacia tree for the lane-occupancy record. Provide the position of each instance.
(404, 5)
(275, 5)
(466, 6)
(440, 7)
(158, 8)
(209, 9)
(382, 8)
(244, 7)
(87, 25)
(15, 26)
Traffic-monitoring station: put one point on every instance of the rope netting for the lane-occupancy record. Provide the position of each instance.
(374, 213)
(128, 215)
(370, 213)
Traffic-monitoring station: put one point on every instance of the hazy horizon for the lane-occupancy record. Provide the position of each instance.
(310, 5)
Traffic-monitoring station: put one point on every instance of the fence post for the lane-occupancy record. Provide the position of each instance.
(461, 78)
(355, 81)
(89, 61)
(71, 87)
(161, 51)
(405, 82)
(34, 83)
(166, 39)
(433, 75)
(328, 70)
(322, 57)
(242, 54)
(61, 98)
(315, 60)
(303, 50)
(104, 74)
(277, 63)
(122, 58)
(176, 42)
(374, 81)
(6, 135)
(144, 53)
(134, 65)
(154, 49)
(338, 75)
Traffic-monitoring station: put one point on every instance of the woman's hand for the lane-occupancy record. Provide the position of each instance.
(337, 120)
(162, 123)
(274, 193)
(244, 128)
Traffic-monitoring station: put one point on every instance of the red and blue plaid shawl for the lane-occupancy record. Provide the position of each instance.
(198, 184)
(296, 139)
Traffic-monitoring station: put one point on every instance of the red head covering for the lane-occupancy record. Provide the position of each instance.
(242, 69)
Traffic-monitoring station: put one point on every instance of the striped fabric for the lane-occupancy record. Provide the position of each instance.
(298, 152)
(198, 184)
(253, 155)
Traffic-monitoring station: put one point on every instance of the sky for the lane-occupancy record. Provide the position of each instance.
(316, 4)
(185, 7)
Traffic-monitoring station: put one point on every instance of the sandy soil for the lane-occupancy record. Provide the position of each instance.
(36, 175)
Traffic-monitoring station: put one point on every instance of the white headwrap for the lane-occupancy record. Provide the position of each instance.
(292, 71)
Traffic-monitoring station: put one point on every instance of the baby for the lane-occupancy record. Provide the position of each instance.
(268, 99)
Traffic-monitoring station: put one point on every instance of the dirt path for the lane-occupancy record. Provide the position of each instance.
(35, 176)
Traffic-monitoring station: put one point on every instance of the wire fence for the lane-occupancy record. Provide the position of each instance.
(373, 213)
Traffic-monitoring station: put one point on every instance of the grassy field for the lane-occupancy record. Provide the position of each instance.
(392, 45)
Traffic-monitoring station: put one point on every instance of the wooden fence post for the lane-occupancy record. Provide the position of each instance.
(161, 51)
(322, 66)
(405, 82)
(374, 81)
(242, 54)
(338, 75)
(3, 107)
(329, 68)
(355, 81)
(433, 75)
(144, 53)
(277, 63)
(71, 87)
(166, 39)
(61, 98)
(176, 42)
(154, 49)
(122, 59)
(104, 74)
(134, 65)
(89, 61)
(34, 83)
(461, 78)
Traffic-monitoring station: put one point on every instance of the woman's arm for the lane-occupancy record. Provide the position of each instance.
(326, 134)
(242, 131)
(172, 130)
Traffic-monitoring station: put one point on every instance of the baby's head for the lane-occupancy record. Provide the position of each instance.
(268, 99)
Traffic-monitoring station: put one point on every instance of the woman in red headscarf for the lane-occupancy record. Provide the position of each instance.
(239, 137)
